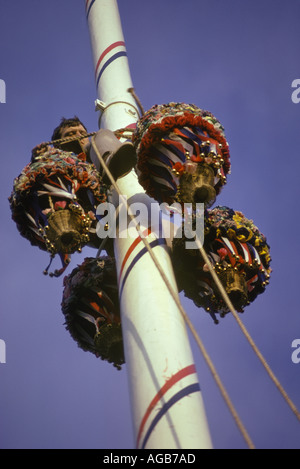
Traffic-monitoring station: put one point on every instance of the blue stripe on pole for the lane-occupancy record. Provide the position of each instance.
(143, 251)
(177, 397)
(89, 8)
(109, 61)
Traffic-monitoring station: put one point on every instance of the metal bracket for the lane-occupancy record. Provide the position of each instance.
(99, 105)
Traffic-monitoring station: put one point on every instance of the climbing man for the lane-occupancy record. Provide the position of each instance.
(119, 157)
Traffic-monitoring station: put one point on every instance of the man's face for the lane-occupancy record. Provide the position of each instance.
(75, 131)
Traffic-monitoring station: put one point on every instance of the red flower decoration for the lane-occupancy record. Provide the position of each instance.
(60, 204)
(179, 167)
(70, 160)
(222, 253)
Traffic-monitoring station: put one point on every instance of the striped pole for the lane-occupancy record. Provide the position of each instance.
(167, 406)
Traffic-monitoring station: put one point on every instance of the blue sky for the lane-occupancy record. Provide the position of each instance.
(235, 59)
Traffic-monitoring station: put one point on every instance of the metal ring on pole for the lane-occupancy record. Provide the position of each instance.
(102, 109)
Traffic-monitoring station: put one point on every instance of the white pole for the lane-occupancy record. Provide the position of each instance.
(166, 400)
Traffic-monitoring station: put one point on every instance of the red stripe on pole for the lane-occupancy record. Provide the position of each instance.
(189, 370)
(132, 247)
(107, 50)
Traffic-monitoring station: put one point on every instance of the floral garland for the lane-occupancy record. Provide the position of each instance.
(224, 221)
(237, 250)
(90, 305)
(55, 162)
(67, 174)
(161, 120)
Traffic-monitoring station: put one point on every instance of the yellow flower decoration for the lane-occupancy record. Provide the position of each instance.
(239, 220)
(242, 238)
(231, 234)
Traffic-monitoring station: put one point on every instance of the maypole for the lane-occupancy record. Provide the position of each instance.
(167, 405)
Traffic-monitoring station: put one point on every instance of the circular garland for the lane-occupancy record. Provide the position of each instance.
(57, 189)
(91, 308)
(178, 126)
(239, 254)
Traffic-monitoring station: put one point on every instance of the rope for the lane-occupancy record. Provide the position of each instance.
(178, 304)
(68, 139)
(118, 133)
(244, 330)
(101, 247)
(132, 91)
